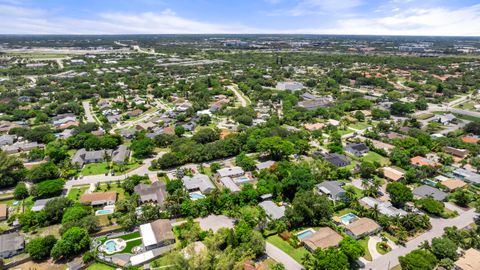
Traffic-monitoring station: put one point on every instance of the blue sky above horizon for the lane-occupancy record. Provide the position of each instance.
(364, 17)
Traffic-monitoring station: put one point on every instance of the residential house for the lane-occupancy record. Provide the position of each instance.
(62, 119)
(156, 192)
(470, 260)
(24, 146)
(357, 149)
(272, 209)
(6, 139)
(11, 244)
(134, 113)
(313, 127)
(157, 234)
(337, 160)
(289, 86)
(3, 212)
(333, 189)
(470, 139)
(466, 175)
(392, 174)
(385, 208)
(425, 191)
(113, 119)
(315, 104)
(453, 184)
(265, 165)
(461, 153)
(323, 238)
(83, 156)
(231, 172)
(362, 227)
(38, 205)
(121, 154)
(128, 133)
(99, 198)
(445, 118)
(423, 161)
(228, 183)
(199, 182)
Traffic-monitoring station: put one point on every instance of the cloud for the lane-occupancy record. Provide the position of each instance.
(309, 7)
(19, 20)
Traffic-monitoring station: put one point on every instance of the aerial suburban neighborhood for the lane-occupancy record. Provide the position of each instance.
(239, 152)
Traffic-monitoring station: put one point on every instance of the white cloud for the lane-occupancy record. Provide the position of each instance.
(309, 7)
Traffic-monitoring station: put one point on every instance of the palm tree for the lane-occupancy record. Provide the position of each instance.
(365, 183)
(424, 245)
(375, 212)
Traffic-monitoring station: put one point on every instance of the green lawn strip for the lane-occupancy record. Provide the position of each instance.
(374, 157)
(100, 266)
(113, 187)
(95, 168)
(364, 243)
(381, 250)
(130, 236)
(295, 253)
(131, 245)
(359, 126)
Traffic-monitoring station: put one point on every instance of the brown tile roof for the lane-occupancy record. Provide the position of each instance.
(362, 226)
(456, 152)
(323, 238)
(453, 184)
(162, 228)
(3, 211)
(392, 173)
(421, 161)
(98, 196)
(312, 127)
(470, 139)
(469, 261)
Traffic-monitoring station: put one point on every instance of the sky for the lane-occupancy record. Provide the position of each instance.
(357, 17)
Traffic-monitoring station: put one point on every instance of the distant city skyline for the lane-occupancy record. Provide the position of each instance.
(343, 17)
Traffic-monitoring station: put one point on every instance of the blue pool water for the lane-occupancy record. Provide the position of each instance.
(348, 218)
(242, 179)
(196, 196)
(305, 234)
(104, 212)
(111, 246)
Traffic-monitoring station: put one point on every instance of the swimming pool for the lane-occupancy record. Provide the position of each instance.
(241, 179)
(110, 246)
(348, 218)
(304, 234)
(196, 196)
(104, 212)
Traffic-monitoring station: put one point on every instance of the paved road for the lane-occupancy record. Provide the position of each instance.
(282, 257)
(240, 97)
(87, 180)
(88, 112)
(438, 224)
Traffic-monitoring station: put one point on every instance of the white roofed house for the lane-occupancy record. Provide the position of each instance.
(157, 234)
(198, 182)
(231, 172)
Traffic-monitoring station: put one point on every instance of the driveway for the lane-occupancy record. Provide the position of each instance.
(279, 256)
(239, 96)
(88, 112)
(390, 259)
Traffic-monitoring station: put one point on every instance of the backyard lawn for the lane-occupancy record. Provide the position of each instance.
(295, 253)
(359, 126)
(100, 266)
(374, 157)
(95, 168)
(75, 193)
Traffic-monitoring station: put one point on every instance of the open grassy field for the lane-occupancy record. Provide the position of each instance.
(295, 253)
(95, 168)
(75, 193)
(374, 157)
(99, 266)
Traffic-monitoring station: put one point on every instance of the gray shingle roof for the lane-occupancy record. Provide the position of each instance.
(424, 191)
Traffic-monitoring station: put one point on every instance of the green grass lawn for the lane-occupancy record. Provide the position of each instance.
(295, 253)
(364, 243)
(75, 193)
(130, 236)
(95, 168)
(359, 126)
(425, 116)
(345, 131)
(344, 212)
(100, 266)
(131, 245)
(113, 187)
(374, 157)
(126, 167)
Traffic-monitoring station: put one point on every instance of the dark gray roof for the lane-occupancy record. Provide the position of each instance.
(337, 159)
(11, 242)
(425, 191)
(332, 188)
